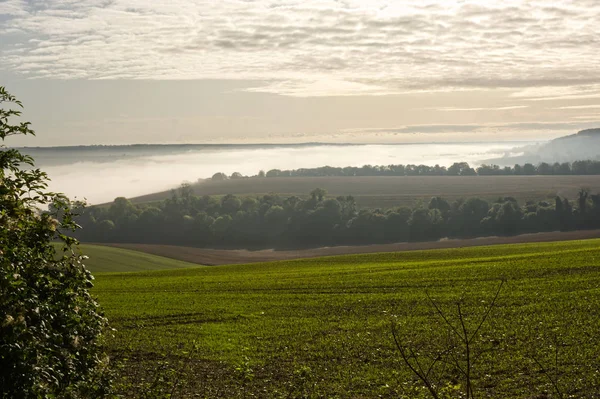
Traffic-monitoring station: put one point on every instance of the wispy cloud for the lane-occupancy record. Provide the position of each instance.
(306, 48)
(595, 118)
(547, 93)
(484, 128)
(452, 109)
(591, 106)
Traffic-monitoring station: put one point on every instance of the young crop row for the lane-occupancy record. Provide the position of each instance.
(322, 327)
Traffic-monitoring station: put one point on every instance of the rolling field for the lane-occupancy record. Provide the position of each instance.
(322, 327)
(391, 191)
(108, 259)
(211, 257)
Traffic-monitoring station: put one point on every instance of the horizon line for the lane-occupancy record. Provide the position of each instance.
(309, 143)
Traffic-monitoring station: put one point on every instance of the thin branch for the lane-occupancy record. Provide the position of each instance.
(406, 360)
(547, 374)
(489, 309)
(441, 314)
(467, 351)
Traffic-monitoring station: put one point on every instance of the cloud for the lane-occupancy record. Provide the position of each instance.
(435, 128)
(452, 109)
(479, 128)
(580, 106)
(546, 93)
(595, 118)
(305, 48)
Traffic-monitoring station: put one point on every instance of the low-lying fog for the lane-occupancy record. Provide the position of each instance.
(99, 174)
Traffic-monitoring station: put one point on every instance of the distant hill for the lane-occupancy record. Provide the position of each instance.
(593, 133)
(583, 145)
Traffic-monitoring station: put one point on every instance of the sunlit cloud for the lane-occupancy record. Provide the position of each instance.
(451, 109)
(595, 118)
(591, 106)
(485, 128)
(313, 48)
(544, 93)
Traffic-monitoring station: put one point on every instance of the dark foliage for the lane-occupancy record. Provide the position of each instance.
(274, 221)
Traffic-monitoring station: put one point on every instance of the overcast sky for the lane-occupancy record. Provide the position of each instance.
(139, 71)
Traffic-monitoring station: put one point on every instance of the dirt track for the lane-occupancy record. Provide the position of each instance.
(224, 257)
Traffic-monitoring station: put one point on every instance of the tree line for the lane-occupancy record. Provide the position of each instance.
(587, 167)
(274, 221)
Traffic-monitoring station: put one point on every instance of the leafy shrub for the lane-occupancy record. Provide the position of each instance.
(50, 326)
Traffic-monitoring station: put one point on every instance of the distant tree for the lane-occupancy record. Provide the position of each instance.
(488, 170)
(185, 191)
(120, 209)
(508, 218)
(466, 215)
(582, 198)
(396, 225)
(236, 175)
(230, 204)
(579, 168)
(105, 228)
(461, 169)
(150, 219)
(249, 204)
(529, 169)
(318, 193)
(517, 170)
(276, 219)
(424, 224)
(219, 176)
(221, 226)
(261, 173)
(273, 173)
(563, 169)
(544, 169)
(441, 204)
(367, 227)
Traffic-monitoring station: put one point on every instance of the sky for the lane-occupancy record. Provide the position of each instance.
(256, 71)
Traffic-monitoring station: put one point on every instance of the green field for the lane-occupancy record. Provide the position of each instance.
(321, 327)
(107, 259)
(392, 191)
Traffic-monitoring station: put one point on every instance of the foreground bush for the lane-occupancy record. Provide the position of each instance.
(50, 327)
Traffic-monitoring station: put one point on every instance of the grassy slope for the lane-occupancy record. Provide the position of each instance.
(108, 259)
(323, 325)
(390, 191)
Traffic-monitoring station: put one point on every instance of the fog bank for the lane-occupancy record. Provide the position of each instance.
(120, 171)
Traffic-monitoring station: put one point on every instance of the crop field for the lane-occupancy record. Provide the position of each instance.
(391, 191)
(209, 256)
(322, 327)
(108, 259)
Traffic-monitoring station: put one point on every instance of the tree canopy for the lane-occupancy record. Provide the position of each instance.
(271, 220)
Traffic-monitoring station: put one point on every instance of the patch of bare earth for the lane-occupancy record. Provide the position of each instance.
(224, 257)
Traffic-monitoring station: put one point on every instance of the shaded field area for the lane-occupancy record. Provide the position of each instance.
(211, 257)
(390, 191)
(321, 328)
(109, 259)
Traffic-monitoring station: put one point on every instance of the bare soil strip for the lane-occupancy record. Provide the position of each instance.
(213, 257)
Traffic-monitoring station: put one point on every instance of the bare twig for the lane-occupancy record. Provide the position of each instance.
(448, 356)
(489, 309)
(414, 370)
(547, 374)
